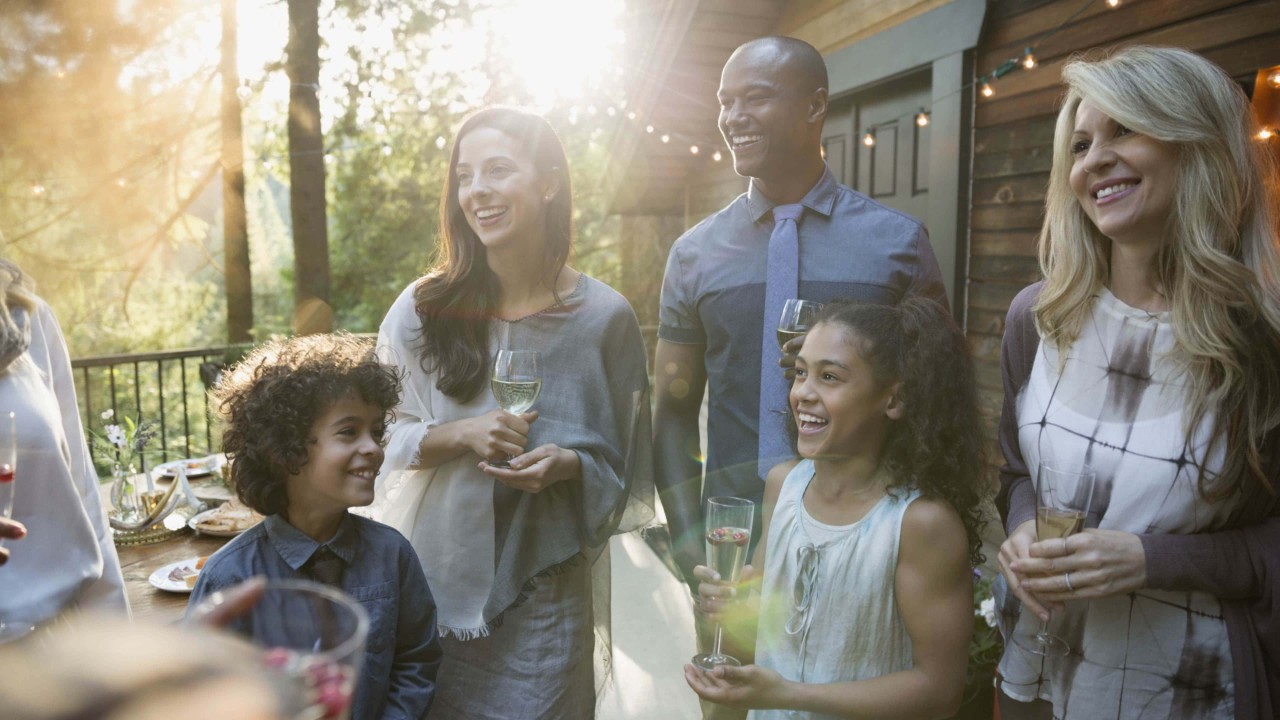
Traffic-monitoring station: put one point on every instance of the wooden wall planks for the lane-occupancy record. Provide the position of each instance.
(1013, 131)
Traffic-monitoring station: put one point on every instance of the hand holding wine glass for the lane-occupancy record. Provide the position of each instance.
(797, 317)
(728, 537)
(516, 383)
(1062, 502)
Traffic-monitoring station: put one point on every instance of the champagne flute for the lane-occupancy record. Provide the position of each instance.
(516, 383)
(728, 537)
(797, 318)
(1062, 502)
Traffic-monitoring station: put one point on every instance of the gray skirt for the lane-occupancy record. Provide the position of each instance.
(537, 664)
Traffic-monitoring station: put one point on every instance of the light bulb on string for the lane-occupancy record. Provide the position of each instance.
(440, 142)
(37, 189)
(693, 149)
(869, 140)
(717, 156)
(922, 118)
(987, 91)
(631, 115)
(1274, 79)
(122, 183)
(1265, 134)
(648, 129)
(328, 158)
(666, 138)
(1029, 60)
(60, 74)
(244, 92)
(610, 111)
(1113, 3)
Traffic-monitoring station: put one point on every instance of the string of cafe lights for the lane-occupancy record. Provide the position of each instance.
(667, 136)
(1027, 61)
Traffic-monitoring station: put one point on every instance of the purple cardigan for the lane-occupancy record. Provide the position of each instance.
(1241, 566)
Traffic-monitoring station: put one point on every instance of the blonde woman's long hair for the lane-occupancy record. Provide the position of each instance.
(1219, 265)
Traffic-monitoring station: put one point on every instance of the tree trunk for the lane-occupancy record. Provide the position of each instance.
(235, 233)
(311, 310)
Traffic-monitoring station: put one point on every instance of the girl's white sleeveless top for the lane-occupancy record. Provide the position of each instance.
(849, 628)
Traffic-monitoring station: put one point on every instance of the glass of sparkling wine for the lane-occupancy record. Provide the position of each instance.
(1062, 502)
(313, 635)
(516, 383)
(797, 318)
(728, 537)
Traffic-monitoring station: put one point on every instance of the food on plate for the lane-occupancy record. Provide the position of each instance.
(187, 573)
(231, 517)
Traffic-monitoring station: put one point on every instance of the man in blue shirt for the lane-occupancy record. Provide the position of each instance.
(773, 101)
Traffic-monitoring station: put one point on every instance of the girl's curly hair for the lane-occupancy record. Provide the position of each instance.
(938, 445)
(269, 401)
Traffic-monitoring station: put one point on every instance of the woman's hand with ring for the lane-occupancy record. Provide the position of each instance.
(1088, 565)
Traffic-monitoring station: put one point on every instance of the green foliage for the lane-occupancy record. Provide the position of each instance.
(124, 234)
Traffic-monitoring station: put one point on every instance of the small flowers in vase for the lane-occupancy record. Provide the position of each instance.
(124, 445)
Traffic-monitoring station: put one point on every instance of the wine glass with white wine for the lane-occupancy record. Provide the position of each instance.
(1062, 502)
(797, 318)
(516, 383)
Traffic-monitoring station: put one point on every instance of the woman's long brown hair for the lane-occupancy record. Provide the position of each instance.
(455, 299)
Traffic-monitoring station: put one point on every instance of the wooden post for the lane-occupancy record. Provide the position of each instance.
(235, 233)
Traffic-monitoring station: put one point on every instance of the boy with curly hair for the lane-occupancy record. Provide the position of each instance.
(304, 421)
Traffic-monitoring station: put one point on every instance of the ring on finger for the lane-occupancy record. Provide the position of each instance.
(1066, 576)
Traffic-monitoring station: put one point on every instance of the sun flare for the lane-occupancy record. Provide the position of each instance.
(558, 49)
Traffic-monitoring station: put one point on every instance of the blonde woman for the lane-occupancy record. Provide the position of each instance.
(68, 560)
(1150, 352)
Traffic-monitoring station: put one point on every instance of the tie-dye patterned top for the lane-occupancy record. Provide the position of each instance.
(1116, 404)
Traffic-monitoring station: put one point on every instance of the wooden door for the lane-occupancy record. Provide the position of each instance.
(893, 167)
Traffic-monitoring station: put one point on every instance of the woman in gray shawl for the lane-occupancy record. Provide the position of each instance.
(515, 556)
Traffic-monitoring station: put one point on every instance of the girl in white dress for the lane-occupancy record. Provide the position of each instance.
(865, 605)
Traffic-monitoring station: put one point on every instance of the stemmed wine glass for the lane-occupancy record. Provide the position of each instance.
(8, 464)
(1062, 502)
(728, 537)
(516, 383)
(10, 628)
(797, 318)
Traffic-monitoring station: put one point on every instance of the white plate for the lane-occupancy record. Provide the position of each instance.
(160, 578)
(196, 467)
(199, 517)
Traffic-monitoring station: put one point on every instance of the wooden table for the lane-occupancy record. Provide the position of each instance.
(139, 561)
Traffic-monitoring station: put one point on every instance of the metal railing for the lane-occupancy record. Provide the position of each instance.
(169, 388)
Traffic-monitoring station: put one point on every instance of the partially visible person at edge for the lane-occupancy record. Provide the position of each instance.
(866, 603)
(511, 552)
(1149, 353)
(773, 102)
(67, 561)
